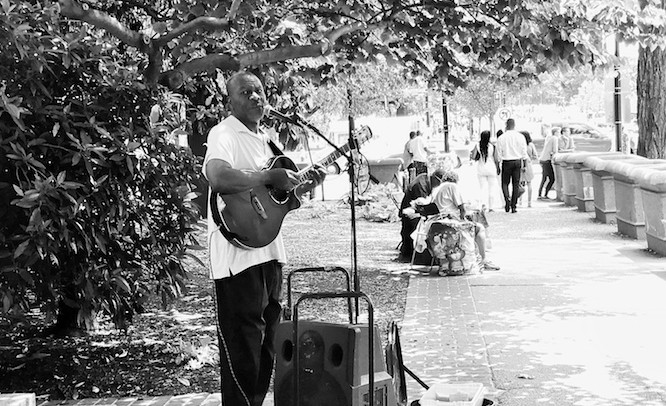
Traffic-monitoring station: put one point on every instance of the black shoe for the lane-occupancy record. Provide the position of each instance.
(403, 258)
(513, 210)
(507, 207)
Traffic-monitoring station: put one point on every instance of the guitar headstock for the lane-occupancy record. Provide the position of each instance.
(362, 134)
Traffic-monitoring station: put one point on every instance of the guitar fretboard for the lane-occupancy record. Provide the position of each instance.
(306, 174)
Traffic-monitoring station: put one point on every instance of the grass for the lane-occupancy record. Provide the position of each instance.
(174, 351)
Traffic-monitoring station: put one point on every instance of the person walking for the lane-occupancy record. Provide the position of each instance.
(512, 151)
(487, 170)
(550, 148)
(247, 281)
(407, 161)
(419, 153)
(528, 173)
(498, 178)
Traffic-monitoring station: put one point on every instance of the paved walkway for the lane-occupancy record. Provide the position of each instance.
(441, 336)
(194, 399)
(574, 317)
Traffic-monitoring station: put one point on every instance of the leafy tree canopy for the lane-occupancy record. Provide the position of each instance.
(442, 40)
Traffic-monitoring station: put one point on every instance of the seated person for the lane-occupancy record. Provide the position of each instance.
(418, 188)
(447, 200)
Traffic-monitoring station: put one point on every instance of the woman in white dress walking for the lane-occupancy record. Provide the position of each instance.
(487, 170)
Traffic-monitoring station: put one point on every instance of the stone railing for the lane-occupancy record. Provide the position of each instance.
(603, 184)
(626, 190)
(652, 181)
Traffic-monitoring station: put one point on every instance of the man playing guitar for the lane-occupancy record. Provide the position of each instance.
(248, 281)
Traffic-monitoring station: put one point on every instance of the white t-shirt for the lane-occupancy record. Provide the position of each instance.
(447, 198)
(233, 143)
(417, 148)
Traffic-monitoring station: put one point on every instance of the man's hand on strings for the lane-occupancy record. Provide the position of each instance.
(283, 179)
(316, 176)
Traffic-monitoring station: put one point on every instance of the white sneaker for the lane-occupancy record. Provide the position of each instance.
(489, 266)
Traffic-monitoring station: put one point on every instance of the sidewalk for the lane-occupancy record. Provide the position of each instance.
(574, 317)
(194, 399)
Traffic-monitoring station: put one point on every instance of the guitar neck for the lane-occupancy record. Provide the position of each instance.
(306, 174)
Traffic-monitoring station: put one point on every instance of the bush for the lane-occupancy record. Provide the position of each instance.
(96, 209)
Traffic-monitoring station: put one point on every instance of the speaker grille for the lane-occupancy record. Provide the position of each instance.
(333, 364)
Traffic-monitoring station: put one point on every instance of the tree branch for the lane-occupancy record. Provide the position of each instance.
(334, 35)
(175, 78)
(75, 10)
(284, 53)
(209, 63)
(303, 51)
(199, 23)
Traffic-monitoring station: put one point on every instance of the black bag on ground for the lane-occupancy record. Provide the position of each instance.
(422, 258)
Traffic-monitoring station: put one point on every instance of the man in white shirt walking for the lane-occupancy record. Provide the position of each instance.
(420, 152)
(512, 151)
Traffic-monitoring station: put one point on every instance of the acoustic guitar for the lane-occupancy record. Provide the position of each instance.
(253, 218)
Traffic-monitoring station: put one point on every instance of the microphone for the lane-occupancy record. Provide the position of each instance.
(300, 119)
(272, 113)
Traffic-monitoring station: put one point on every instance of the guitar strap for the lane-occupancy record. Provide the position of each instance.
(274, 148)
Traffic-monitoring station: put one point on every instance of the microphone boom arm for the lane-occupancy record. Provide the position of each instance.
(301, 122)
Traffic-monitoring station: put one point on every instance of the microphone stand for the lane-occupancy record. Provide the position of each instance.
(301, 122)
(352, 199)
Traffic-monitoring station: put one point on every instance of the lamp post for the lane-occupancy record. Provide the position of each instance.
(617, 99)
(445, 123)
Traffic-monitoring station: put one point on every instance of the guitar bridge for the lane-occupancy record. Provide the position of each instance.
(258, 207)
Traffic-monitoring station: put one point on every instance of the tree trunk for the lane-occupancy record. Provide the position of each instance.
(651, 89)
(66, 324)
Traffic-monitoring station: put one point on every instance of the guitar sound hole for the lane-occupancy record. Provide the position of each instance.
(280, 196)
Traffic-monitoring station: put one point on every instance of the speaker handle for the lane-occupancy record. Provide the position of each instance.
(288, 310)
(371, 336)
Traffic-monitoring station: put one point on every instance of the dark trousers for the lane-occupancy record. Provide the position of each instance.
(511, 173)
(420, 167)
(547, 173)
(248, 312)
(408, 227)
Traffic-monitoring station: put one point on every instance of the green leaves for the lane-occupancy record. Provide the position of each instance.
(12, 105)
(86, 220)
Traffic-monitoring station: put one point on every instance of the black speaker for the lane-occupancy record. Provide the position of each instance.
(333, 366)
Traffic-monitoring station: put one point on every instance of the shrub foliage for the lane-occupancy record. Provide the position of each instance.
(96, 208)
